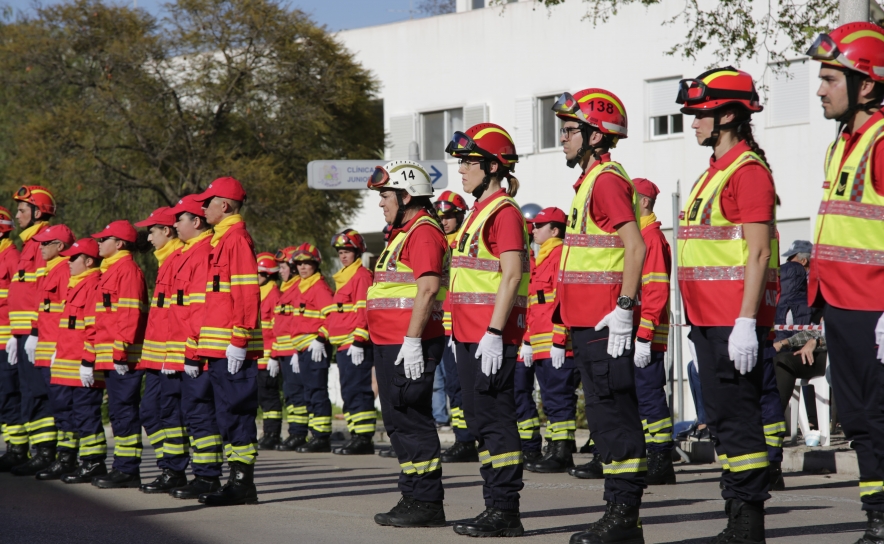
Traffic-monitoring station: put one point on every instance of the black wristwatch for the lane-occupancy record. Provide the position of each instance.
(625, 302)
(492, 330)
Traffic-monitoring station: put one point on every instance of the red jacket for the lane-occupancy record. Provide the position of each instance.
(233, 299)
(314, 300)
(283, 316)
(188, 303)
(121, 313)
(76, 331)
(347, 321)
(23, 291)
(157, 332)
(652, 315)
(269, 298)
(53, 292)
(542, 333)
(9, 258)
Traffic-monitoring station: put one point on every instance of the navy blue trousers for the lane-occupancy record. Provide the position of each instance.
(772, 411)
(455, 398)
(357, 393)
(61, 398)
(86, 418)
(315, 378)
(295, 402)
(36, 408)
(123, 401)
(268, 399)
(558, 392)
(650, 388)
(236, 407)
(198, 411)
(173, 443)
(527, 418)
(10, 402)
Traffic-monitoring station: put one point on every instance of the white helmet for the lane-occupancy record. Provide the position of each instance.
(408, 176)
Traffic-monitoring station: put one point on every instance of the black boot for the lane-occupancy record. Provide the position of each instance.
(660, 470)
(586, 448)
(492, 522)
(359, 444)
(461, 452)
(239, 489)
(531, 456)
(776, 477)
(317, 444)
(592, 470)
(874, 530)
(118, 480)
(41, 460)
(558, 458)
(292, 443)
(419, 514)
(389, 453)
(200, 485)
(269, 441)
(16, 454)
(620, 524)
(165, 482)
(66, 463)
(745, 524)
(401, 506)
(87, 472)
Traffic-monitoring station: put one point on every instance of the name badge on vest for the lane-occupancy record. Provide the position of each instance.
(72, 322)
(180, 300)
(695, 208)
(842, 184)
(340, 307)
(541, 298)
(302, 308)
(463, 242)
(382, 260)
(47, 305)
(160, 298)
(106, 300)
(21, 275)
(216, 284)
(574, 218)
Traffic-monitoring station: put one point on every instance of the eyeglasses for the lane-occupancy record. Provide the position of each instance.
(105, 239)
(468, 162)
(566, 132)
(44, 244)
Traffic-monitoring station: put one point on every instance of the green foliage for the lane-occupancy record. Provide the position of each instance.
(119, 114)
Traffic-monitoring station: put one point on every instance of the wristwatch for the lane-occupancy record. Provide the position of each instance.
(625, 302)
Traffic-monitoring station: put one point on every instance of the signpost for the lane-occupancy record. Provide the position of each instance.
(352, 175)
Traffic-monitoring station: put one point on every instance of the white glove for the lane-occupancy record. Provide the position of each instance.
(273, 367)
(52, 359)
(557, 355)
(879, 337)
(642, 354)
(121, 369)
(619, 323)
(12, 351)
(296, 366)
(31, 348)
(742, 345)
(87, 376)
(168, 371)
(357, 354)
(527, 354)
(413, 355)
(235, 358)
(317, 350)
(490, 350)
(453, 345)
(194, 370)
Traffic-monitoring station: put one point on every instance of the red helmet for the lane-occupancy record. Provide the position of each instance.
(717, 88)
(37, 196)
(485, 140)
(267, 263)
(855, 46)
(349, 239)
(284, 255)
(307, 252)
(6, 224)
(598, 108)
(449, 201)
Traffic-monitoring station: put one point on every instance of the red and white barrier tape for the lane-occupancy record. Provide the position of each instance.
(775, 327)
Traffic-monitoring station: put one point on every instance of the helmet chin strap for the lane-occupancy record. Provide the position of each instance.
(480, 190)
(584, 147)
(717, 127)
(400, 213)
(854, 80)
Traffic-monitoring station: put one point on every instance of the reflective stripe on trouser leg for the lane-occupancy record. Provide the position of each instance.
(42, 431)
(198, 409)
(67, 440)
(774, 433)
(772, 411)
(10, 402)
(653, 407)
(407, 409)
(363, 422)
(123, 399)
(93, 446)
(295, 402)
(149, 411)
(176, 453)
(315, 377)
(489, 403)
(128, 446)
(61, 399)
(86, 419)
(356, 392)
(529, 428)
(35, 404)
(455, 397)
(527, 418)
(658, 432)
(558, 393)
(236, 408)
(269, 401)
(612, 414)
(561, 430)
(207, 452)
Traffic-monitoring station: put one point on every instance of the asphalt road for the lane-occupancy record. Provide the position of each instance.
(325, 498)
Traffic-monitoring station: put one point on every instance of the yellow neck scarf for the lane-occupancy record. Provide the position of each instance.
(451, 237)
(222, 227)
(309, 282)
(107, 262)
(55, 262)
(4, 244)
(346, 274)
(286, 285)
(192, 242)
(266, 288)
(163, 253)
(80, 277)
(547, 247)
(29, 232)
(647, 220)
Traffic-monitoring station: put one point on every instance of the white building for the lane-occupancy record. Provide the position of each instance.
(445, 73)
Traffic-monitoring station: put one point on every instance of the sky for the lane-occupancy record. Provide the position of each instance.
(335, 14)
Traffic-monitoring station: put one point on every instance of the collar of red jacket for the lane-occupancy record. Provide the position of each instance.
(407, 226)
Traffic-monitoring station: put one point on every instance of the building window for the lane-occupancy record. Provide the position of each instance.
(664, 118)
(549, 123)
(478, 4)
(436, 130)
(789, 95)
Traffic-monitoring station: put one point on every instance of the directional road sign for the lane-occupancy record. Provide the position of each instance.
(349, 175)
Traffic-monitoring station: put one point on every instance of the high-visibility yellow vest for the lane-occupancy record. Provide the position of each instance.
(712, 255)
(847, 264)
(476, 277)
(591, 267)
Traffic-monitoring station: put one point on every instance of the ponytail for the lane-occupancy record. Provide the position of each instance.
(744, 132)
(512, 185)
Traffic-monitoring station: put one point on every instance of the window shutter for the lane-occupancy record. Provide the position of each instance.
(401, 135)
(473, 115)
(523, 133)
(789, 100)
(661, 97)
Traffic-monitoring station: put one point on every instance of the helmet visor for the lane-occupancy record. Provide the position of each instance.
(825, 49)
(566, 104)
(378, 178)
(461, 144)
(341, 240)
(691, 91)
(443, 207)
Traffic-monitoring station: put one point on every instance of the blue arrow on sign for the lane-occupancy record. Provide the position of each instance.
(435, 174)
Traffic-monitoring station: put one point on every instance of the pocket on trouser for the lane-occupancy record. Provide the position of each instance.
(242, 390)
(407, 392)
(718, 340)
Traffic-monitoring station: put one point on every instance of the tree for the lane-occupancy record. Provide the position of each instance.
(437, 7)
(120, 114)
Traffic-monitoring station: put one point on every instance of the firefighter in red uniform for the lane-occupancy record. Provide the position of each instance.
(75, 359)
(231, 337)
(728, 268)
(847, 264)
(161, 407)
(9, 392)
(268, 367)
(33, 421)
(347, 329)
(121, 317)
(652, 321)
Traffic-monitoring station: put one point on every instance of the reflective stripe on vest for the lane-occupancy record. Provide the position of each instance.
(713, 252)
